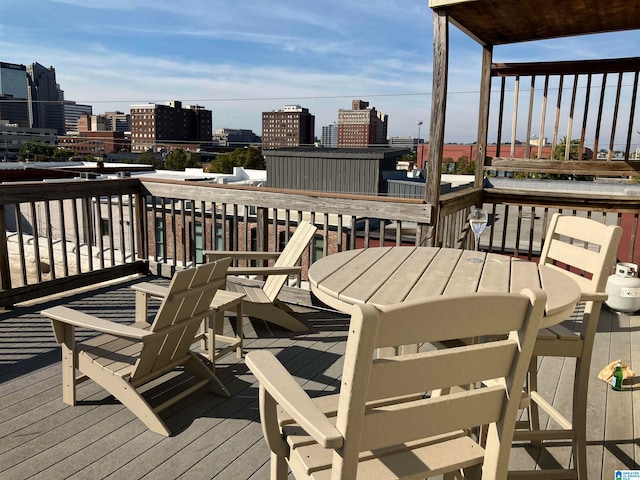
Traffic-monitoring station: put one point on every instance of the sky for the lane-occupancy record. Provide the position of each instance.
(240, 58)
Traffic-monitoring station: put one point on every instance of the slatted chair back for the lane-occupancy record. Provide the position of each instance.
(582, 248)
(179, 316)
(388, 379)
(289, 256)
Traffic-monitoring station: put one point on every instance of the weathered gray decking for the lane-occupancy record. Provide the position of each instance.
(41, 437)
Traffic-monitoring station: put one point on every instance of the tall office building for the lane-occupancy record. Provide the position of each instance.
(45, 98)
(118, 121)
(362, 126)
(330, 135)
(290, 127)
(14, 103)
(153, 125)
(72, 112)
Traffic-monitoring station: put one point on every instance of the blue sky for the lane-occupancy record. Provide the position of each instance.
(240, 58)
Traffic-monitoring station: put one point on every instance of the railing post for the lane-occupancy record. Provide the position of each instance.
(436, 129)
(483, 116)
(262, 229)
(5, 271)
(142, 245)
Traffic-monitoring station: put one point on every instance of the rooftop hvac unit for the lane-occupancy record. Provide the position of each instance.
(124, 174)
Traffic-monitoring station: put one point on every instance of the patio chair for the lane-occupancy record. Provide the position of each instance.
(385, 424)
(126, 357)
(585, 250)
(261, 301)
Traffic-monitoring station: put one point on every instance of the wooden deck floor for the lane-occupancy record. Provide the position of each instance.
(215, 437)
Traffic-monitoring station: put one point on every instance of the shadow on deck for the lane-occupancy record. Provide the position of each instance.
(216, 437)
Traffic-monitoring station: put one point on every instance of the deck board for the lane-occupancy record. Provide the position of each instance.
(217, 437)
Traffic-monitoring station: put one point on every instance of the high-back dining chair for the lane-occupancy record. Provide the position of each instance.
(386, 425)
(585, 250)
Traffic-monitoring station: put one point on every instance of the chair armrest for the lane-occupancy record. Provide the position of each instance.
(593, 296)
(215, 254)
(292, 398)
(263, 270)
(80, 319)
(152, 289)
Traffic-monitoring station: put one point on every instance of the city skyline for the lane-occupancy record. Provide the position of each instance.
(241, 59)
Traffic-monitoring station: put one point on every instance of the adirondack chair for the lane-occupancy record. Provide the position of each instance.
(262, 302)
(125, 357)
(382, 424)
(564, 249)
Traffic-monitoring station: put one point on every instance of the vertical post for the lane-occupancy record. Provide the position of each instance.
(141, 227)
(262, 233)
(436, 128)
(483, 115)
(5, 271)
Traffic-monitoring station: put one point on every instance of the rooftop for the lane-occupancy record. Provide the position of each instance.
(218, 437)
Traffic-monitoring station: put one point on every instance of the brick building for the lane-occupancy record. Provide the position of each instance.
(362, 126)
(293, 126)
(153, 124)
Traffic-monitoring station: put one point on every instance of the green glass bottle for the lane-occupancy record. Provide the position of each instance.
(616, 380)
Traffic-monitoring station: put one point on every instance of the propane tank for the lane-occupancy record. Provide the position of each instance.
(623, 288)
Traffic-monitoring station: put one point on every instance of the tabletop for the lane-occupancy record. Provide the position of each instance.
(388, 275)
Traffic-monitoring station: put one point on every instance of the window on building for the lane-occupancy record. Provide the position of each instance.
(317, 247)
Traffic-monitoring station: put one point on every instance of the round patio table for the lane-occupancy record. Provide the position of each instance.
(388, 275)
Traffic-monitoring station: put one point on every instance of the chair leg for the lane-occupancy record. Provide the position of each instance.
(278, 467)
(532, 410)
(126, 394)
(273, 314)
(68, 347)
(195, 366)
(579, 418)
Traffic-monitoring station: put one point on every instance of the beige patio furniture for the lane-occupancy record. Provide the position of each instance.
(584, 250)
(384, 426)
(262, 302)
(126, 357)
(211, 334)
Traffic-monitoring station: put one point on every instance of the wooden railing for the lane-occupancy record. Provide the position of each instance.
(592, 103)
(66, 234)
(519, 219)
(62, 235)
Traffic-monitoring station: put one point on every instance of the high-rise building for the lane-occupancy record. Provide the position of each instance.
(46, 99)
(14, 103)
(169, 124)
(362, 126)
(290, 127)
(72, 112)
(330, 135)
(118, 121)
(93, 123)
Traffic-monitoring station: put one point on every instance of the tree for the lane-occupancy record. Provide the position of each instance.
(464, 166)
(36, 151)
(178, 160)
(63, 154)
(574, 147)
(150, 158)
(241, 157)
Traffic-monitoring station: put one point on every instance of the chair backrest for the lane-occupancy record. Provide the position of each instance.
(580, 246)
(289, 256)
(186, 303)
(386, 379)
